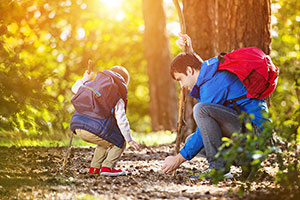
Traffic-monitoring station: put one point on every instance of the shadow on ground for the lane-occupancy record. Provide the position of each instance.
(35, 173)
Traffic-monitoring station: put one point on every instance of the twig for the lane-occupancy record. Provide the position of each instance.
(68, 152)
(90, 68)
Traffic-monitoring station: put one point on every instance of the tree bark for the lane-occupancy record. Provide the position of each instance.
(163, 104)
(244, 24)
(217, 26)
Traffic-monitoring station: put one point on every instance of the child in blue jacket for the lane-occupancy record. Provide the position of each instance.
(100, 117)
(214, 119)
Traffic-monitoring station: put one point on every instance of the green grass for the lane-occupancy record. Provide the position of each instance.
(40, 142)
(154, 138)
(149, 139)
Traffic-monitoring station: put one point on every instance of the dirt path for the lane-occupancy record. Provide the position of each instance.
(34, 173)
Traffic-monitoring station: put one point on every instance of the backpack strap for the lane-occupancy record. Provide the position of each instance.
(233, 102)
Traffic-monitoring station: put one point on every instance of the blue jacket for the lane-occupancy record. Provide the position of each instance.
(94, 112)
(216, 87)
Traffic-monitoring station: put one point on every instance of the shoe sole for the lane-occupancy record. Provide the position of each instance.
(113, 174)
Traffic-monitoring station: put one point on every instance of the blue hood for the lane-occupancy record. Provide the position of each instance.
(207, 71)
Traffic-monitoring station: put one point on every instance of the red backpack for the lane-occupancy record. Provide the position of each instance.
(254, 68)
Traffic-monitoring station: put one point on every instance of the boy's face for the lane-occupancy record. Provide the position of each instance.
(188, 80)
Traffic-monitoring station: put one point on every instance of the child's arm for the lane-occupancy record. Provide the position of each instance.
(123, 123)
(86, 77)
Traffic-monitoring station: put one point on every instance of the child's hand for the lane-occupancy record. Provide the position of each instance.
(134, 144)
(184, 41)
(88, 76)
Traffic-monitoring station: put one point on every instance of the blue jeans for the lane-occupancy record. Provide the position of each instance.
(214, 122)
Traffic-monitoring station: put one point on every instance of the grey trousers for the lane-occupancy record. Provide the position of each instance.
(214, 122)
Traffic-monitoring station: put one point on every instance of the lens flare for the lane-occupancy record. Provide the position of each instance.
(112, 3)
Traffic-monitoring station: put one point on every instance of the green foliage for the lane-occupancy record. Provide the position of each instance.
(288, 160)
(44, 49)
(286, 55)
(286, 100)
(247, 150)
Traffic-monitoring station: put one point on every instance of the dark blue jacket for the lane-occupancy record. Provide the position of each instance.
(216, 87)
(94, 103)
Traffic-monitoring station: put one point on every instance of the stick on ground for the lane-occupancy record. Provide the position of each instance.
(90, 68)
(68, 152)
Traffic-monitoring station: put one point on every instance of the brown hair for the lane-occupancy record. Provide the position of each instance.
(122, 71)
(182, 61)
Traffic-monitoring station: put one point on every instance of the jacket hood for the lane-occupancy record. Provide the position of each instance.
(117, 77)
(119, 80)
(207, 71)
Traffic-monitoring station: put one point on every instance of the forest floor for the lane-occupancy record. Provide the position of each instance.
(35, 173)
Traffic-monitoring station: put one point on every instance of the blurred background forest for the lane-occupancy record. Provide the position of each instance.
(45, 46)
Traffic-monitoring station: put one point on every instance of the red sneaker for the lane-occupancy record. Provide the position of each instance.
(94, 170)
(111, 172)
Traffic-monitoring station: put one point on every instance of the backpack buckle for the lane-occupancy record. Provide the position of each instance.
(221, 57)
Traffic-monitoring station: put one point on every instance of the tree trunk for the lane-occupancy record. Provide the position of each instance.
(244, 24)
(163, 104)
(200, 25)
(217, 26)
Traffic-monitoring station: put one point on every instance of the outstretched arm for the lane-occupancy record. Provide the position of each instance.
(172, 162)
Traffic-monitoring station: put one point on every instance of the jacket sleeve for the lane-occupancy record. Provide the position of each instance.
(77, 85)
(122, 120)
(193, 146)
